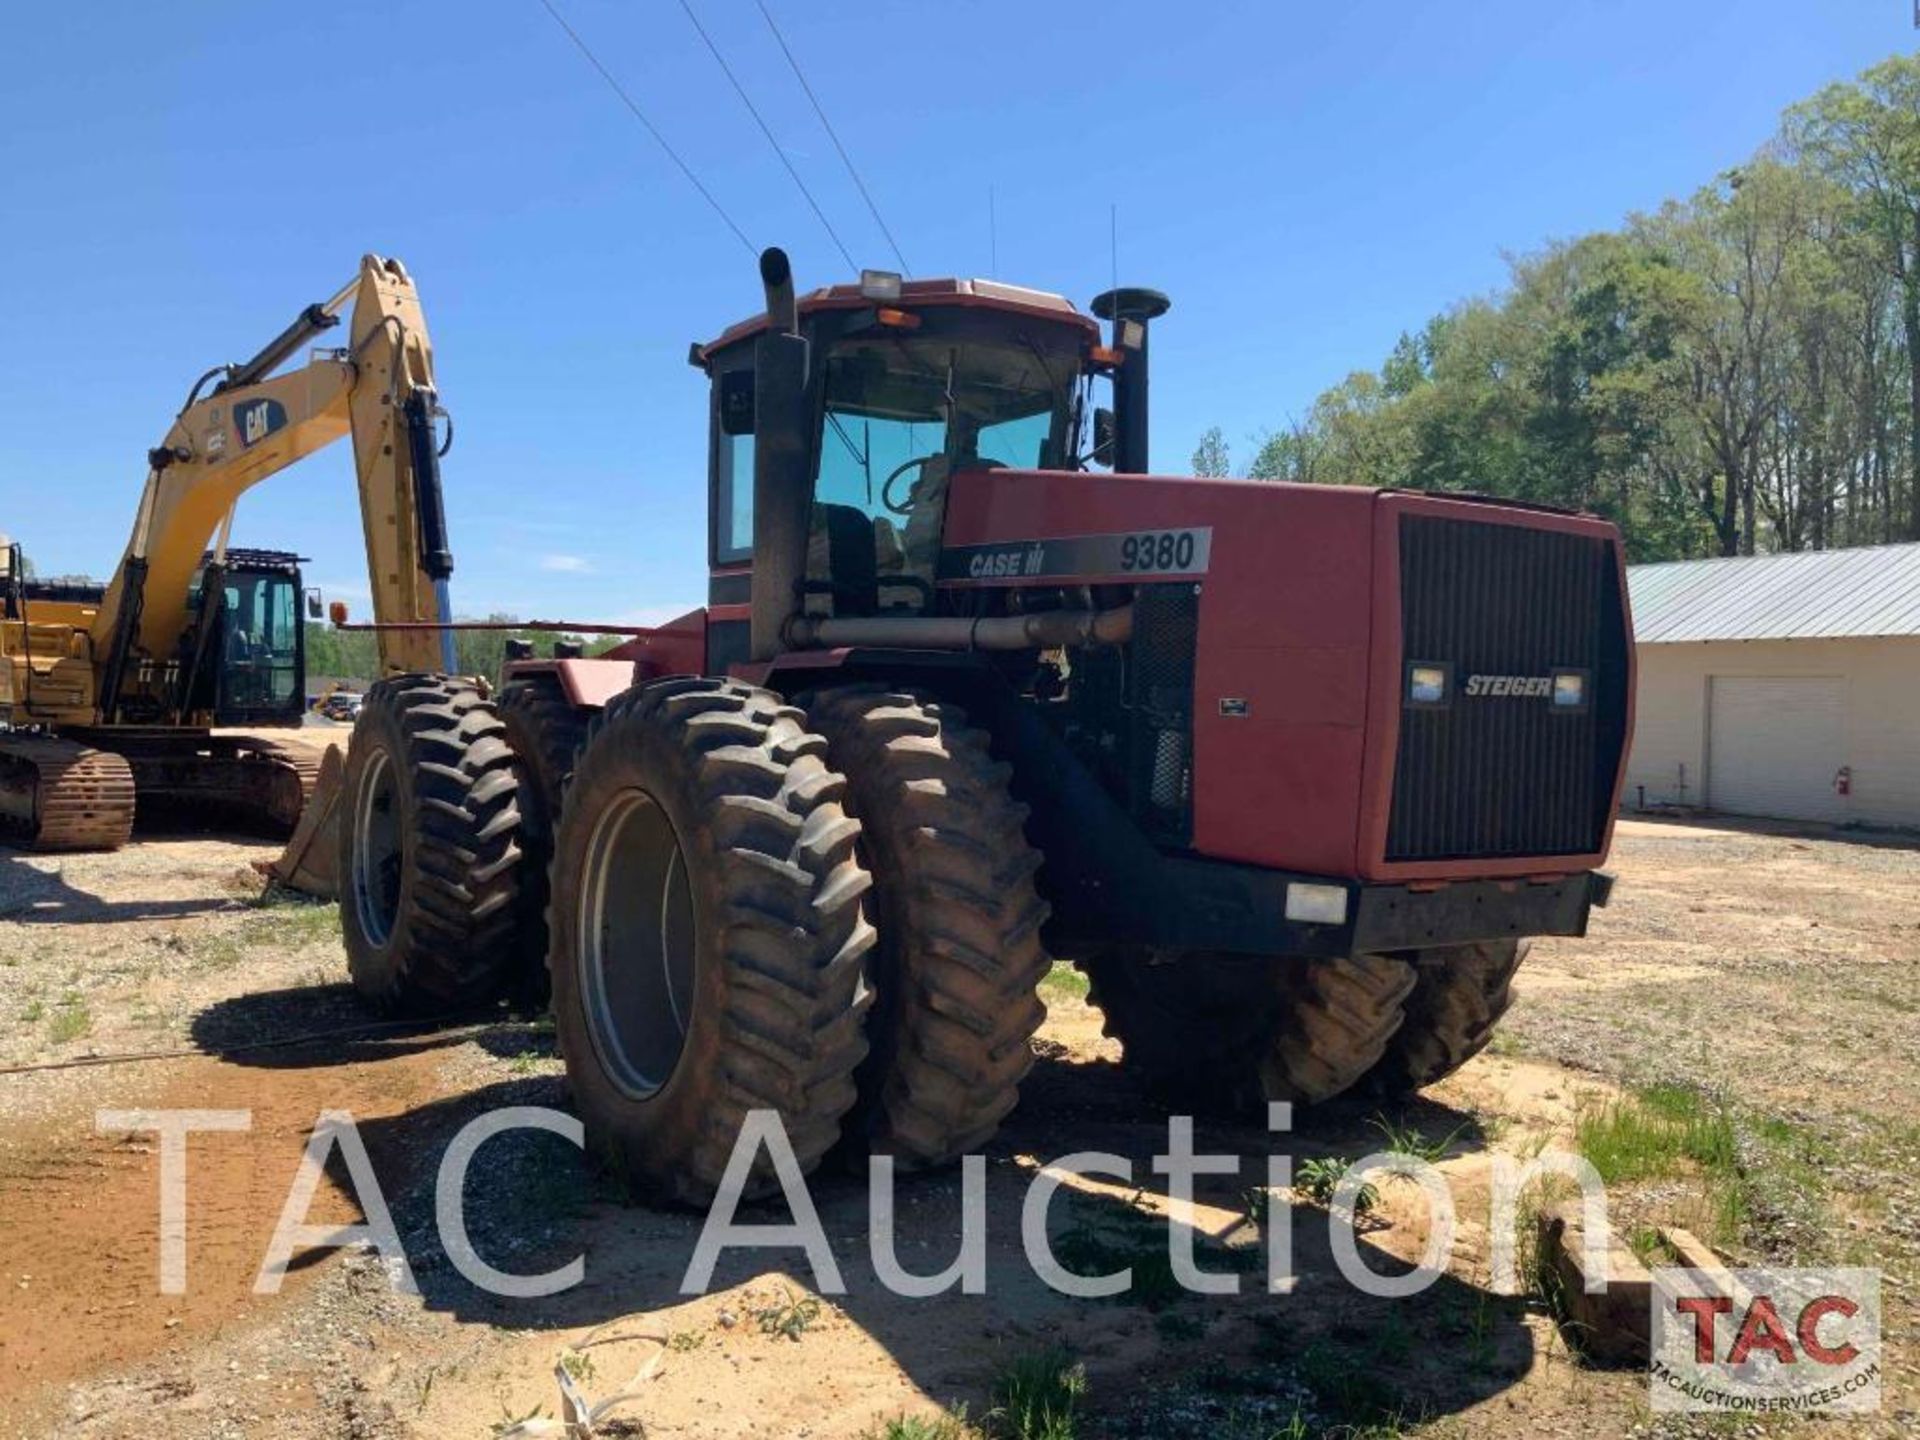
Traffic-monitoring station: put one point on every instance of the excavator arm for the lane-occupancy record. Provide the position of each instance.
(252, 424)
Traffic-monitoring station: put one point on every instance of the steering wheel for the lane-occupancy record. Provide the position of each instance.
(903, 507)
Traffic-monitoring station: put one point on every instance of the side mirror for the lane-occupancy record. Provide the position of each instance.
(1103, 436)
(736, 402)
(314, 610)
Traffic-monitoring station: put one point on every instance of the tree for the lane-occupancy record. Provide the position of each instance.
(1210, 457)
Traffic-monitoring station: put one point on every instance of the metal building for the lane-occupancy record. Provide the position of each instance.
(1781, 685)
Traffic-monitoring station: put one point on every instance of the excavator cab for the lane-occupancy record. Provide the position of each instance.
(251, 643)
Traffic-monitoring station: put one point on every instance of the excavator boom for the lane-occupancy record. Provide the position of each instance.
(123, 688)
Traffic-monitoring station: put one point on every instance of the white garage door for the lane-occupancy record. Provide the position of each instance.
(1774, 745)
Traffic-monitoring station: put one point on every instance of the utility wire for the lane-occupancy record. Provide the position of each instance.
(652, 129)
(765, 130)
(833, 135)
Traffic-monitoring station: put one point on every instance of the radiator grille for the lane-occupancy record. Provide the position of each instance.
(1498, 776)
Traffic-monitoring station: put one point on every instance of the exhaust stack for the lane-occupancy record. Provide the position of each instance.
(1130, 309)
(781, 496)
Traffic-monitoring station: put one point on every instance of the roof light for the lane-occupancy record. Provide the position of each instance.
(1106, 355)
(898, 319)
(879, 285)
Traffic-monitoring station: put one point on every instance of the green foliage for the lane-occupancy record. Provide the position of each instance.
(1737, 371)
(1655, 1132)
(1211, 456)
(951, 1426)
(790, 1318)
(1318, 1180)
(353, 655)
(1038, 1398)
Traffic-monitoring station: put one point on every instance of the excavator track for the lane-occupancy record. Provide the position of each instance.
(279, 804)
(59, 795)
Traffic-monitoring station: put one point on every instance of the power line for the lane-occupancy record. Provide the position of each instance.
(652, 129)
(846, 159)
(741, 91)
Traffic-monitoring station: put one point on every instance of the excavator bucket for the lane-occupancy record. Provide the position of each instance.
(309, 864)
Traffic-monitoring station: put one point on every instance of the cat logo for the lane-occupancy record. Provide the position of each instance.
(257, 419)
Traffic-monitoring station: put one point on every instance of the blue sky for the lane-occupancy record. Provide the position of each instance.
(1305, 181)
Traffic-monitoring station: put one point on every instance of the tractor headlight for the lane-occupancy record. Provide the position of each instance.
(1427, 684)
(1317, 904)
(1569, 689)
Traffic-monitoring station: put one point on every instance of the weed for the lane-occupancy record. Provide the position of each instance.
(1256, 1205)
(510, 1421)
(579, 1367)
(951, 1426)
(1064, 980)
(71, 1021)
(790, 1319)
(682, 1342)
(1038, 1398)
(1653, 1132)
(1318, 1179)
(35, 1012)
(1405, 1139)
(527, 1062)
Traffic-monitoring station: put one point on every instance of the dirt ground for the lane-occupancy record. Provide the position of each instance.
(1775, 968)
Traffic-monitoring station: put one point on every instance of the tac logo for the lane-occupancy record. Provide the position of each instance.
(257, 419)
(1766, 1341)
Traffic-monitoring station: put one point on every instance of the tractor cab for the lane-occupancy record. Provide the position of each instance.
(905, 385)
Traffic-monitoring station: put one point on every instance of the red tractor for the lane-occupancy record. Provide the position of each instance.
(1291, 772)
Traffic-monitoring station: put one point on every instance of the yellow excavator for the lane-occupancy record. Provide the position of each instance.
(129, 691)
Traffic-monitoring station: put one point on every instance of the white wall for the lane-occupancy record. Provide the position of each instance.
(1883, 717)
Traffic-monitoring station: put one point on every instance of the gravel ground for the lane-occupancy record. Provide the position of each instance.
(1777, 969)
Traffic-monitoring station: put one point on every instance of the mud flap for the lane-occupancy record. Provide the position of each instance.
(310, 863)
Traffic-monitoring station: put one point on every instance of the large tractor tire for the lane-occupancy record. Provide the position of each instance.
(1460, 995)
(958, 963)
(707, 940)
(546, 731)
(1336, 1020)
(1192, 1029)
(429, 861)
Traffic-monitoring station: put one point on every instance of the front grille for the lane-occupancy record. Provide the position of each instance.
(1490, 776)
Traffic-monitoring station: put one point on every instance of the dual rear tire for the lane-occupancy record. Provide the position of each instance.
(1218, 1034)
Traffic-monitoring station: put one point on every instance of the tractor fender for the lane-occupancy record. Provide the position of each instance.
(589, 684)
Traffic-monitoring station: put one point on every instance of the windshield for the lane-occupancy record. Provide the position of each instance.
(892, 402)
(900, 416)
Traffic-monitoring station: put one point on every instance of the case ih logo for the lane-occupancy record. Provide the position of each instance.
(1518, 687)
(1763, 1342)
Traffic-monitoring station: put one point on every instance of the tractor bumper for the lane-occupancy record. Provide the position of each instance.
(1399, 917)
(1203, 906)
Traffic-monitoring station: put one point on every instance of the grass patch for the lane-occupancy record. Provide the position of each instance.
(951, 1426)
(1064, 980)
(72, 1021)
(1657, 1132)
(1405, 1139)
(1038, 1398)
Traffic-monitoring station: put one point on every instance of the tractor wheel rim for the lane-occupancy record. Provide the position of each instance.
(377, 850)
(637, 944)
